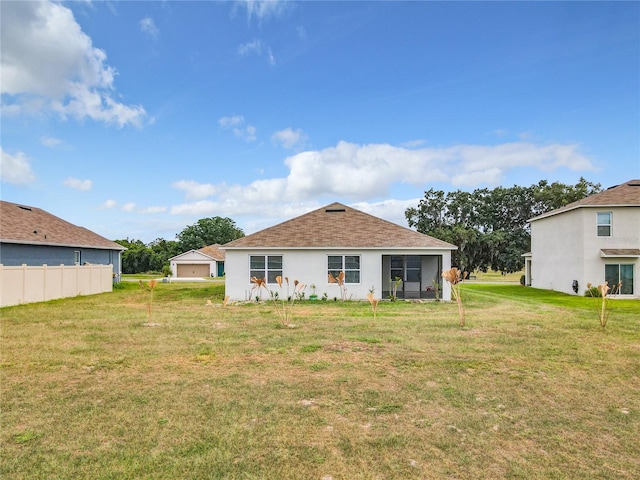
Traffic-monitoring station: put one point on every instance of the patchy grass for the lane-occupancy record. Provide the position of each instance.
(530, 388)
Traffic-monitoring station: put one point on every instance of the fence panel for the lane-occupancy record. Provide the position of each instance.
(27, 284)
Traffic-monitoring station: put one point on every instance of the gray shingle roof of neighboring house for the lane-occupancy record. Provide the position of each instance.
(30, 225)
(625, 195)
(338, 226)
(213, 251)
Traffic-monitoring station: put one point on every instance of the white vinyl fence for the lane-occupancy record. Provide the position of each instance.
(27, 284)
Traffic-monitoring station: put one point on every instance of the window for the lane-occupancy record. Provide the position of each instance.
(604, 224)
(614, 274)
(265, 266)
(349, 264)
(76, 257)
(406, 267)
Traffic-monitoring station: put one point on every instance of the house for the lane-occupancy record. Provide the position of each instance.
(34, 237)
(333, 239)
(205, 262)
(593, 240)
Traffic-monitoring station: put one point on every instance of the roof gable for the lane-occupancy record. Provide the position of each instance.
(338, 226)
(624, 195)
(34, 226)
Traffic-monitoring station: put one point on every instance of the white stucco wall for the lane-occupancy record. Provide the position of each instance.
(566, 247)
(310, 267)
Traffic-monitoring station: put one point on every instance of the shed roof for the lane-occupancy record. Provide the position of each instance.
(33, 226)
(624, 195)
(338, 226)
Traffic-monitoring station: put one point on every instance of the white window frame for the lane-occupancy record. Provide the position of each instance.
(270, 272)
(603, 225)
(343, 268)
(77, 257)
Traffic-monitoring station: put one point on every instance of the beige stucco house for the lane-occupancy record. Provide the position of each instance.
(336, 238)
(205, 262)
(593, 240)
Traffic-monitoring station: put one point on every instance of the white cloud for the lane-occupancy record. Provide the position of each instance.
(236, 123)
(152, 210)
(364, 173)
(248, 133)
(289, 138)
(128, 207)
(250, 47)
(231, 121)
(195, 190)
(109, 204)
(255, 48)
(270, 57)
(413, 143)
(50, 142)
(49, 64)
(391, 210)
(262, 9)
(148, 26)
(77, 184)
(15, 169)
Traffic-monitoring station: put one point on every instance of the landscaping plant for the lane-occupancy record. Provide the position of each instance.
(454, 277)
(374, 303)
(284, 303)
(339, 280)
(601, 293)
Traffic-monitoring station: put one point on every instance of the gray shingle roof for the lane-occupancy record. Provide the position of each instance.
(338, 226)
(34, 226)
(626, 195)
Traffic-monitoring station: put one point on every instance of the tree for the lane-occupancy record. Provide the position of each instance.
(208, 231)
(137, 256)
(490, 227)
(161, 251)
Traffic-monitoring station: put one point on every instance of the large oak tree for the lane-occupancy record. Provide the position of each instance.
(490, 227)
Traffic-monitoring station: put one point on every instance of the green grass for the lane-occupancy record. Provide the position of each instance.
(532, 387)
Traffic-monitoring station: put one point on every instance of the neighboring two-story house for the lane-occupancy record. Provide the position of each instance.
(593, 240)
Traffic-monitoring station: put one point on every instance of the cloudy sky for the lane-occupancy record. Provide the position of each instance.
(136, 119)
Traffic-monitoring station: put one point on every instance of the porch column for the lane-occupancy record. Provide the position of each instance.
(446, 287)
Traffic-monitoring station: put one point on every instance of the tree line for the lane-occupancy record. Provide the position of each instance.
(154, 256)
(490, 227)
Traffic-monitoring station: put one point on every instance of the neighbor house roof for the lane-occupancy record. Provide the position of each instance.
(213, 251)
(624, 195)
(338, 226)
(33, 226)
(210, 251)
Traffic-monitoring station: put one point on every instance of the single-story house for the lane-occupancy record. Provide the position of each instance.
(205, 262)
(34, 237)
(593, 240)
(333, 239)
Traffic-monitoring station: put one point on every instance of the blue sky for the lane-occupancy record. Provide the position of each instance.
(136, 119)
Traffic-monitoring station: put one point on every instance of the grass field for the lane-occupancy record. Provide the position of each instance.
(531, 388)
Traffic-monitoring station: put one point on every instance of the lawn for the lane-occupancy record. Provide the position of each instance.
(530, 388)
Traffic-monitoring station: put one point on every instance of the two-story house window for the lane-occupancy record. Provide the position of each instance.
(604, 224)
(620, 274)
